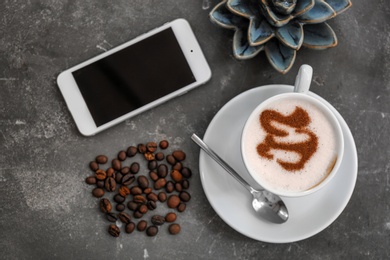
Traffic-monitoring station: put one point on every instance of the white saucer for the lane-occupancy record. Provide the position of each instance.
(309, 215)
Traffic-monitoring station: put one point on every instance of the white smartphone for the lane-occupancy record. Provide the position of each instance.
(134, 77)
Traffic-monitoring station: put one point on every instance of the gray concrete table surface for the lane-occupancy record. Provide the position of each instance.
(46, 209)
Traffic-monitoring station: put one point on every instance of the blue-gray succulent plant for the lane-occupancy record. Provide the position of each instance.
(279, 27)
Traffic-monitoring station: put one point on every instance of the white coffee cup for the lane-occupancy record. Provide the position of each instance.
(292, 143)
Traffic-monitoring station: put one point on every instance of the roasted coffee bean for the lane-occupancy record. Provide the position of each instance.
(142, 225)
(174, 229)
(160, 183)
(110, 184)
(130, 227)
(179, 155)
(151, 147)
(148, 190)
(122, 156)
(125, 170)
(176, 176)
(170, 159)
(119, 198)
(137, 214)
(152, 165)
(114, 230)
(124, 191)
(160, 156)
(164, 144)
(178, 187)
(94, 166)
(118, 177)
(162, 196)
(120, 207)
(116, 164)
(152, 196)
(177, 167)
(170, 217)
(185, 184)
(151, 205)
(186, 172)
(162, 170)
(158, 220)
(100, 184)
(131, 151)
(169, 187)
(181, 207)
(143, 182)
(153, 176)
(135, 190)
(124, 217)
(149, 156)
(128, 179)
(134, 168)
(112, 217)
(143, 209)
(100, 175)
(173, 201)
(98, 192)
(101, 159)
(133, 206)
(110, 172)
(105, 205)
(90, 180)
(141, 148)
(151, 231)
(185, 196)
(139, 199)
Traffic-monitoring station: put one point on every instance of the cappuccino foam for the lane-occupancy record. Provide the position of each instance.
(299, 157)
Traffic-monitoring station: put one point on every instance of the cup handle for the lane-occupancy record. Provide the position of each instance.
(303, 79)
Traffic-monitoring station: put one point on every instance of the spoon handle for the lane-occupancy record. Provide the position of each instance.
(220, 161)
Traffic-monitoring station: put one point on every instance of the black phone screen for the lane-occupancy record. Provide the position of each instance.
(133, 77)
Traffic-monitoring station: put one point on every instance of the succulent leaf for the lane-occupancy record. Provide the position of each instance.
(244, 8)
(284, 6)
(272, 17)
(318, 14)
(280, 56)
(291, 35)
(242, 50)
(259, 32)
(303, 6)
(339, 6)
(223, 17)
(319, 36)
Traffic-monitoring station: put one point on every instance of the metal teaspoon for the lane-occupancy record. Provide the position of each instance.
(267, 205)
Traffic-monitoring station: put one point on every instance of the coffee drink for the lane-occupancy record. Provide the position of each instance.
(290, 144)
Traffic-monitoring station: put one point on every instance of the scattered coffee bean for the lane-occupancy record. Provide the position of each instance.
(125, 170)
(141, 148)
(133, 206)
(164, 144)
(139, 199)
(158, 220)
(148, 190)
(162, 196)
(143, 209)
(135, 190)
(124, 217)
(152, 196)
(176, 176)
(174, 229)
(149, 156)
(131, 151)
(137, 214)
(162, 170)
(94, 166)
(160, 156)
(120, 207)
(118, 177)
(153, 176)
(105, 205)
(101, 159)
(177, 167)
(182, 206)
(151, 205)
(179, 155)
(118, 198)
(112, 217)
(152, 165)
(186, 172)
(170, 159)
(185, 196)
(114, 230)
(134, 167)
(151, 147)
(122, 155)
(124, 191)
(128, 179)
(151, 231)
(100, 175)
(130, 227)
(170, 217)
(110, 172)
(178, 187)
(160, 183)
(170, 187)
(110, 184)
(90, 180)
(142, 225)
(100, 184)
(116, 164)
(98, 192)
(173, 201)
(143, 182)
(185, 184)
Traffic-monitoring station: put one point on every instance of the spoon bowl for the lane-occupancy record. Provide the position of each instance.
(267, 205)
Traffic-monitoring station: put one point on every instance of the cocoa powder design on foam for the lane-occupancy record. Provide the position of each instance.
(299, 120)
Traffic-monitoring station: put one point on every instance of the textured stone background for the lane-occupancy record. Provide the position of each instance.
(46, 209)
